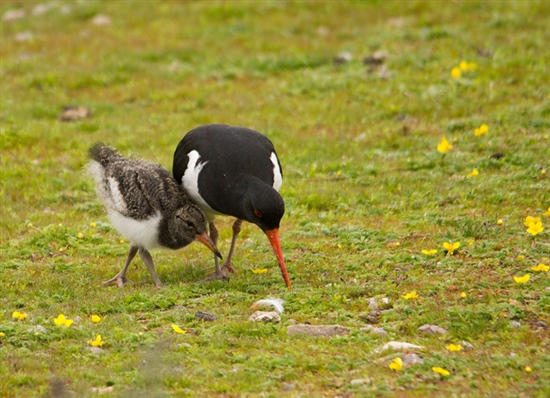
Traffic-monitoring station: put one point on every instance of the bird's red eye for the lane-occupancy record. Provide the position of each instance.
(258, 213)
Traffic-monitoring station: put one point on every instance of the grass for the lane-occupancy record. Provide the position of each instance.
(365, 190)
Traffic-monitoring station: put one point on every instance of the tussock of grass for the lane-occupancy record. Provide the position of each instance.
(365, 191)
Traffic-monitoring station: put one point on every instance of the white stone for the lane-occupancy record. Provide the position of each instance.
(401, 346)
(264, 316)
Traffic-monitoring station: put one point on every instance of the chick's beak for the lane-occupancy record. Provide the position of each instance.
(205, 240)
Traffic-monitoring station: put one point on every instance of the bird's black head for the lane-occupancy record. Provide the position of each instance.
(263, 206)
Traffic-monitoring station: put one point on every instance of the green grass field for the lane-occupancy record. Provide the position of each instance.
(356, 96)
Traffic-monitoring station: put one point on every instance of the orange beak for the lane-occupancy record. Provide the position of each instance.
(273, 236)
(205, 240)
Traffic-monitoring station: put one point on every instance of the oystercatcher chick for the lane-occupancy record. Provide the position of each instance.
(233, 171)
(147, 206)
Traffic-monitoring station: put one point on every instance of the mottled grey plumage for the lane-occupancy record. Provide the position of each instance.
(146, 205)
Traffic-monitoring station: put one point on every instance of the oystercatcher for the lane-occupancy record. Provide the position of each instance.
(146, 205)
(233, 171)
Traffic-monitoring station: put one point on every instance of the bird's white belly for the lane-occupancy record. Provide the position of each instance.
(141, 233)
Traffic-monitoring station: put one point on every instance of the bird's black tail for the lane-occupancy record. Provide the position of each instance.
(103, 154)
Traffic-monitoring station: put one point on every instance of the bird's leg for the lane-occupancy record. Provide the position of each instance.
(236, 229)
(148, 261)
(120, 278)
(218, 273)
(214, 237)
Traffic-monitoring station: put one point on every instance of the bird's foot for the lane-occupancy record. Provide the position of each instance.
(118, 280)
(227, 266)
(216, 276)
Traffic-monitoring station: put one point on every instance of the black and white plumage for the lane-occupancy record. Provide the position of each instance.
(146, 205)
(233, 171)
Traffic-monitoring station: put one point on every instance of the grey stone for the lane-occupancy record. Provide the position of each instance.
(432, 329)
(205, 316)
(318, 330)
(410, 358)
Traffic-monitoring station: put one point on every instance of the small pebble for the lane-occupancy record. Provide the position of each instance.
(343, 58)
(101, 390)
(264, 316)
(373, 305)
(372, 317)
(95, 350)
(205, 316)
(12, 15)
(401, 346)
(23, 36)
(465, 344)
(410, 358)
(101, 20)
(318, 330)
(74, 113)
(376, 59)
(38, 329)
(515, 324)
(432, 329)
(379, 331)
(288, 386)
(40, 9)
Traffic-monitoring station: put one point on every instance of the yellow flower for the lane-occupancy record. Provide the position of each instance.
(454, 347)
(547, 213)
(93, 224)
(61, 320)
(429, 252)
(528, 369)
(541, 268)
(20, 316)
(451, 247)
(471, 241)
(80, 235)
(2, 334)
(441, 371)
(520, 257)
(463, 295)
(259, 271)
(472, 173)
(98, 342)
(465, 65)
(499, 221)
(444, 146)
(95, 318)
(531, 220)
(535, 228)
(522, 279)
(411, 295)
(481, 130)
(396, 365)
(455, 72)
(178, 330)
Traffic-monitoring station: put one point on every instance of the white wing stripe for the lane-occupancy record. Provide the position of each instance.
(190, 179)
(277, 175)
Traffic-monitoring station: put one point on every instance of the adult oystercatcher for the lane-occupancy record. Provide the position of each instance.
(233, 171)
(146, 205)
